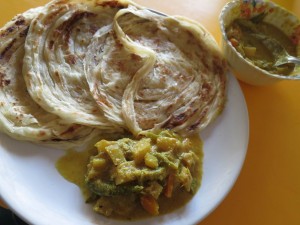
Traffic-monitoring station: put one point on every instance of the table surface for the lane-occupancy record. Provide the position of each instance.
(267, 191)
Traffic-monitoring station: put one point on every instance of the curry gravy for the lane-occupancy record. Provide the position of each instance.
(246, 36)
(73, 167)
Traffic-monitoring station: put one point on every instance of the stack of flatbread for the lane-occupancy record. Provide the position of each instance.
(73, 70)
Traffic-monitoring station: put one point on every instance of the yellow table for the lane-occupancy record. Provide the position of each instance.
(268, 189)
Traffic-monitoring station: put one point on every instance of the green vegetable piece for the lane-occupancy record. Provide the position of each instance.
(148, 134)
(165, 157)
(110, 189)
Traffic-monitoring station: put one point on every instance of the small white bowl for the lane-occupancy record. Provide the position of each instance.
(244, 69)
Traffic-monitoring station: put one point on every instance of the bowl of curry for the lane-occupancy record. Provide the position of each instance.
(256, 37)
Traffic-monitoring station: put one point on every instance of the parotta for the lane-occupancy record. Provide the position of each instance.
(20, 117)
(54, 52)
(75, 69)
(156, 72)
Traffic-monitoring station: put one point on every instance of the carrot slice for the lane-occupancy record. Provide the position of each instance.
(234, 42)
(170, 186)
(150, 204)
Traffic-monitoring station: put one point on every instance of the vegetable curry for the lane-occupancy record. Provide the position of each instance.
(252, 38)
(136, 178)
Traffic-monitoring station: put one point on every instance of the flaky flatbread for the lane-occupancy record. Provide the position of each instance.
(185, 88)
(54, 52)
(157, 72)
(20, 117)
(108, 65)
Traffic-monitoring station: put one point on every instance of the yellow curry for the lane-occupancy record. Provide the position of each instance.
(250, 37)
(136, 178)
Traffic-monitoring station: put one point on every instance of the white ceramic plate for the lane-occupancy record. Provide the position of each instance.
(34, 190)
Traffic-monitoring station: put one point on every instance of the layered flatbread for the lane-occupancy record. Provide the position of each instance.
(110, 66)
(20, 117)
(185, 88)
(55, 48)
(157, 72)
(107, 65)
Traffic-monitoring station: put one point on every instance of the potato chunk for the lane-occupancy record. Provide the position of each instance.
(166, 143)
(101, 145)
(151, 161)
(116, 154)
(141, 148)
(98, 163)
(249, 51)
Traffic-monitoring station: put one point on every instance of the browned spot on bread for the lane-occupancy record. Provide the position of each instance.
(7, 48)
(135, 57)
(20, 21)
(8, 31)
(70, 129)
(66, 27)
(78, 88)
(61, 2)
(100, 99)
(157, 41)
(190, 34)
(75, 17)
(57, 77)
(95, 110)
(205, 64)
(93, 29)
(56, 139)
(195, 126)
(56, 33)
(24, 32)
(50, 45)
(121, 66)
(71, 59)
(3, 82)
(177, 120)
(112, 4)
(218, 66)
(146, 123)
(11, 29)
(50, 17)
(119, 45)
(41, 133)
(206, 92)
(166, 71)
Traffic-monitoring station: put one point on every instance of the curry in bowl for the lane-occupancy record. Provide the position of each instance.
(254, 39)
(258, 39)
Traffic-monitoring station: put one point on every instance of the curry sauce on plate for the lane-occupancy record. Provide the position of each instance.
(136, 178)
